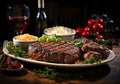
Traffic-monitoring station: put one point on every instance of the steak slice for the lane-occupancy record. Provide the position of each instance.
(56, 52)
(93, 54)
(93, 46)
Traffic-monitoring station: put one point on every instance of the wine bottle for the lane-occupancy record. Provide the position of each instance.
(41, 19)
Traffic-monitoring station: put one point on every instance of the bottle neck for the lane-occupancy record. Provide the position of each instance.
(41, 4)
(41, 13)
(41, 10)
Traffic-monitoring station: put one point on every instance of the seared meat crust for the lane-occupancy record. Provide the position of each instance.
(57, 52)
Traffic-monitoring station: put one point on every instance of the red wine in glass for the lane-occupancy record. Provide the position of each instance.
(18, 17)
(19, 23)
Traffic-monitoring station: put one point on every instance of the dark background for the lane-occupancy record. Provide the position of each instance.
(71, 13)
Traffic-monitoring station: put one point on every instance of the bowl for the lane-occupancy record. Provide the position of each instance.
(11, 66)
(65, 33)
(13, 70)
(24, 40)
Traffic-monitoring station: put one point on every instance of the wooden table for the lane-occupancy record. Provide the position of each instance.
(103, 74)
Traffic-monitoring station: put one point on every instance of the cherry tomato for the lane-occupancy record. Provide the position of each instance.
(95, 26)
(79, 31)
(86, 28)
(90, 22)
(98, 36)
(100, 20)
(101, 28)
(85, 33)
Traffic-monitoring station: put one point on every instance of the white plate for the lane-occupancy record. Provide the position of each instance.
(110, 58)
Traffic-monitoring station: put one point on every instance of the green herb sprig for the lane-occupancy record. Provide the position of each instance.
(48, 72)
(91, 60)
(15, 50)
(105, 42)
(76, 43)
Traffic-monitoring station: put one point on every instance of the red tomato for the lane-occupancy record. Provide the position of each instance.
(90, 22)
(85, 33)
(86, 28)
(79, 31)
(98, 36)
(100, 20)
(101, 28)
(95, 26)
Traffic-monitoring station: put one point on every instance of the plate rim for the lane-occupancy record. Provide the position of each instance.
(110, 58)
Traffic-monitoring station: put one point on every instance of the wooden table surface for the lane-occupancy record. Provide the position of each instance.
(104, 74)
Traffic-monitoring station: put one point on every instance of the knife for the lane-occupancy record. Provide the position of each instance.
(3, 56)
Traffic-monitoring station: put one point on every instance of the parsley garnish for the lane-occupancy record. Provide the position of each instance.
(48, 72)
(15, 50)
(91, 60)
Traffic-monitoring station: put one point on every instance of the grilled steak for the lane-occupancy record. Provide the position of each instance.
(56, 52)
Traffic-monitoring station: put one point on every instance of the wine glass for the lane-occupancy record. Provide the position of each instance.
(18, 17)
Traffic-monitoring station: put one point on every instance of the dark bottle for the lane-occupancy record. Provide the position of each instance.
(41, 19)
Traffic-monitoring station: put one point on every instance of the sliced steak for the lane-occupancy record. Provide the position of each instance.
(93, 54)
(93, 46)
